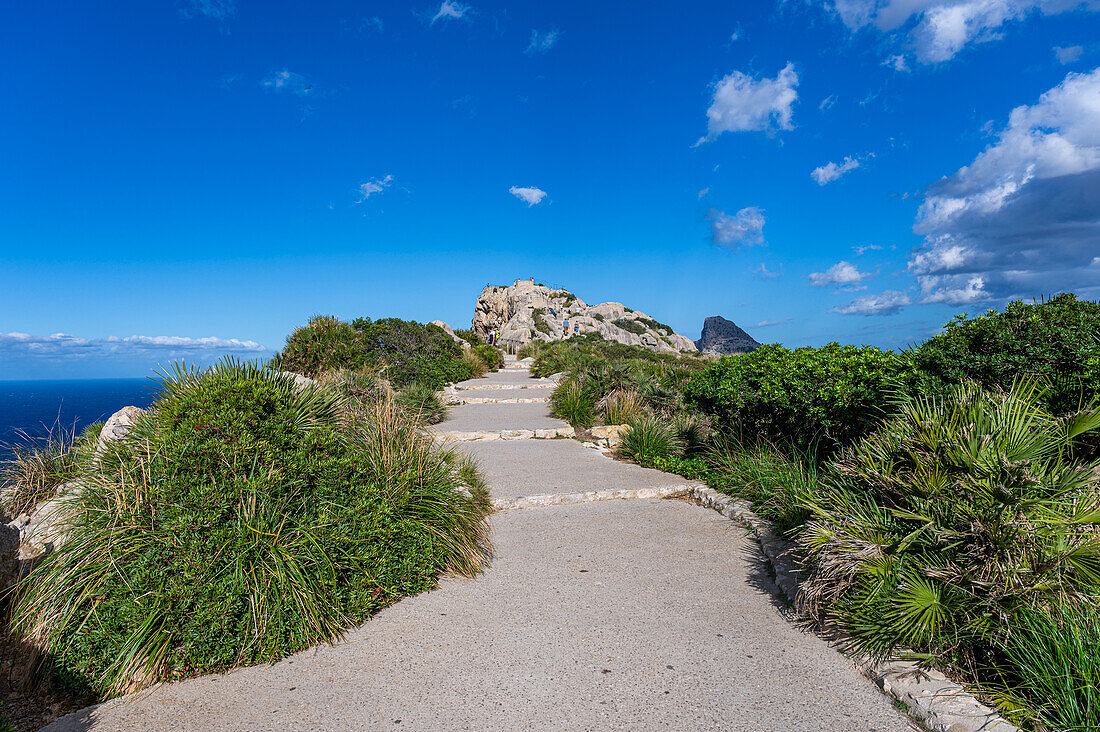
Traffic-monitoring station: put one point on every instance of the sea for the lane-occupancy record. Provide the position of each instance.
(32, 410)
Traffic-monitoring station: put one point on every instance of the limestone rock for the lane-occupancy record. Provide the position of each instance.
(722, 337)
(300, 381)
(117, 426)
(524, 312)
(449, 331)
(44, 527)
(610, 435)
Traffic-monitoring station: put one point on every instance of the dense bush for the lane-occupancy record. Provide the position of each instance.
(829, 395)
(492, 357)
(1057, 339)
(648, 437)
(244, 519)
(933, 533)
(405, 351)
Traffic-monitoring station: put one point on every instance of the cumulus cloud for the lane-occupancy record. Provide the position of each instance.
(376, 185)
(841, 273)
(1024, 217)
(450, 9)
(746, 227)
(1068, 54)
(939, 29)
(532, 196)
(542, 42)
(887, 302)
(743, 103)
(70, 346)
(831, 171)
(287, 81)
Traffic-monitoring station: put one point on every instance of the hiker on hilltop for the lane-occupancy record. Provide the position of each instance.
(565, 328)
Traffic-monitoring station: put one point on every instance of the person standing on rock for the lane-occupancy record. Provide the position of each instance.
(565, 328)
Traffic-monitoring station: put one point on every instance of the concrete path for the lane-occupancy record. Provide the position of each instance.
(628, 614)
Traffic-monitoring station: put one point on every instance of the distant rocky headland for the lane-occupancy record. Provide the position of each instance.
(723, 337)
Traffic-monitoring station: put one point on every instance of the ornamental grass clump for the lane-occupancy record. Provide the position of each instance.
(649, 438)
(35, 468)
(243, 519)
(934, 533)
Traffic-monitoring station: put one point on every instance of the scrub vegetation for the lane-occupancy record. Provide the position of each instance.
(945, 500)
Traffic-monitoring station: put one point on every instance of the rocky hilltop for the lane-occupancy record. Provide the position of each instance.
(723, 337)
(525, 312)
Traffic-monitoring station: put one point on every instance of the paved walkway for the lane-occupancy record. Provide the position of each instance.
(624, 614)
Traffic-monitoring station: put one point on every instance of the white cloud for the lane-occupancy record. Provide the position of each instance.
(887, 302)
(1068, 54)
(746, 227)
(841, 273)
(764, 273)
(532, 196)
(827, 103)
(287, 81)
(449, 9)
(897, 62)
(861, 250)
(63, 345)
(742, 103)
(376, 185)
(542, 42)
(939, 29)
(770, 323)
(703, 193)
(1024, 216)
(831, 171)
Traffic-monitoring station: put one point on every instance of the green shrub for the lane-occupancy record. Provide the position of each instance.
(423, 401)
(933, 533)
(597, 316)
(649, 437)
(776, 482)
(573, 402)
(620, 406)
(492, 357)
(656, 325)
(828, 396)
(468, 335)
(324, 344)
(1052, 674)
(404, 350)
(1056, 339)
(242, 520)
(541, 326)
(630, 326)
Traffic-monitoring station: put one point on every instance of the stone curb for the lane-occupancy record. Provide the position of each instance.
(561, 499)
(502, 387)
(932, 698)
(482, 436)
(494, 400)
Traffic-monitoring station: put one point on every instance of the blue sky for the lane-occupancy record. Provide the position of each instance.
(191, 178)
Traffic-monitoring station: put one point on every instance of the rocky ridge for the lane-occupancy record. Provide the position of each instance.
(524, 312)
(723, 337)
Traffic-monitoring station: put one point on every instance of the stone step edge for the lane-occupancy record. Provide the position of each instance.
(552, 433)
(933, 699)
(475, 387)
(564, 499)
(494, 400)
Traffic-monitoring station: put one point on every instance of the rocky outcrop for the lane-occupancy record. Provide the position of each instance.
(37, 531)
(524, 311)
(449, 331)
(723, 337)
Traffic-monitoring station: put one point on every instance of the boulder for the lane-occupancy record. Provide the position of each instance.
(117, 426)
(44, 527)
(524, 312)
(449, 331)
(723, 337)
(300, 381)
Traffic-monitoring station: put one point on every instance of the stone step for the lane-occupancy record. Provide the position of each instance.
(473, 387)
(550, 433)
(495, 400)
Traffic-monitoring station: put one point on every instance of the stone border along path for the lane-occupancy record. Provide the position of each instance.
(594, 614)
